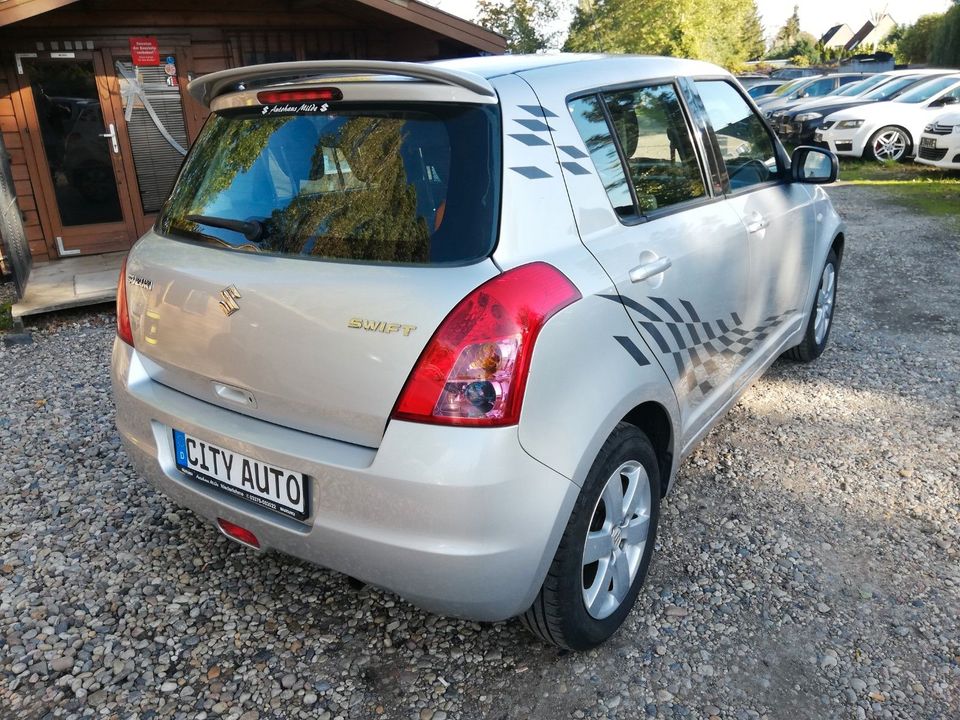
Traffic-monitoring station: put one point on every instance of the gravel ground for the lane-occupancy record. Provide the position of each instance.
(809, 560)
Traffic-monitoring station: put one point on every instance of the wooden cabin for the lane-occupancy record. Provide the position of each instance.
(95, 116)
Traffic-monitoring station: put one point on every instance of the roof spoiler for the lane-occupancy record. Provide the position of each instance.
(207, 87)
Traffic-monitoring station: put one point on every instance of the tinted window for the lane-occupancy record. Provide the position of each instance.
(789, 87)
(592, 124)
(761, 90)
(846, 80)
(926, 91)
(747, 148)
(818, 88)
(656, 143)
(856, 88)
(379, 184)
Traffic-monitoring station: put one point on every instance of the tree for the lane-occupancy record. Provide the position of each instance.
(789, 34)
(805, 45)
(915, 42)
(754, 44)
(524, 23)
(945, 47)
(685, 28)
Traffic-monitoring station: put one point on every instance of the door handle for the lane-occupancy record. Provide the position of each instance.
(649, 269)
(757, 224)
(113, 138)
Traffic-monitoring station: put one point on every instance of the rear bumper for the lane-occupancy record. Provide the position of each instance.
(459, 521)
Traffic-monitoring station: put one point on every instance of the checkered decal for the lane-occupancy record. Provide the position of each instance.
(700, 349)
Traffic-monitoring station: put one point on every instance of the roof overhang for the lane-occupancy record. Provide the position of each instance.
(14, 11)
(411, 11)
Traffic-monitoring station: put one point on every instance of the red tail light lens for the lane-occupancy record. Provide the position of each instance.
(124, 331)
(238, 533)
(281, 96)
(474, 369)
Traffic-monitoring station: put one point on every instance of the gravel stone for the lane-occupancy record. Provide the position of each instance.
(834, 485)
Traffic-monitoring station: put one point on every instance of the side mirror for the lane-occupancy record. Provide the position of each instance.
(814, 165)
(946, 100)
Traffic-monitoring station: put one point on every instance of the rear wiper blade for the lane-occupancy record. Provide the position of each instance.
(250, 229)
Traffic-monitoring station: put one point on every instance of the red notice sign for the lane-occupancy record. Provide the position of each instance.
(144, 51)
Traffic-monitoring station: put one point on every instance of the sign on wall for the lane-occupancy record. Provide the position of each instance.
(145, 51)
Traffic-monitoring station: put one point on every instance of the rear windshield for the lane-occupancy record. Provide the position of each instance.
(372, 183)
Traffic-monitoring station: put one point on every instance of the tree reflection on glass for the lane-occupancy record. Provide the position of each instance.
(325, 186)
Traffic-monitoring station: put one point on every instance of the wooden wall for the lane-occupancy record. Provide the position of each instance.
(14, 143)
(212, 39)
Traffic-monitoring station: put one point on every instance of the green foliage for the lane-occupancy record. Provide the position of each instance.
(789, 34)
(522, 22)
(945, 47)
(685, 28)
(805, 45)
(915, 42)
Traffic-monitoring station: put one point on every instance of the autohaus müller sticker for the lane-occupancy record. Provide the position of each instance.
(287, 109)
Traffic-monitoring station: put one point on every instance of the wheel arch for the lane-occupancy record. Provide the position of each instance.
(654, 420)
(837, 246)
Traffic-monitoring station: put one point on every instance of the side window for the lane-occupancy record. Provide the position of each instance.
(746, 146)
(849, 79)
(592, 124)
(656, 144)
(818, 88)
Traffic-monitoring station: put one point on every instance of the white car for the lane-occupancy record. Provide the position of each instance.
(451, 328)
(888, 130)
(940, 142)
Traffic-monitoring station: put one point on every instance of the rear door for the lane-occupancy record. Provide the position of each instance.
(778, 215)
(308, 252)
(676, 253)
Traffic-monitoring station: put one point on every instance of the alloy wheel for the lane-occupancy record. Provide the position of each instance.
(889, 145)
(616, 539)
(826, 295)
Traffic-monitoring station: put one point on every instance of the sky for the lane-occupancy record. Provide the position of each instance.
(816, 16)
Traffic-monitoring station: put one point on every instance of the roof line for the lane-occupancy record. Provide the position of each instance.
(443, 22)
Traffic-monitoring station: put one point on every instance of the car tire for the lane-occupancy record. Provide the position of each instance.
(821, 314)
(560, 615)
(890, 143)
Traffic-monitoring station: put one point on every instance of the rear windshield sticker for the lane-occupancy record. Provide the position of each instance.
(287, 109)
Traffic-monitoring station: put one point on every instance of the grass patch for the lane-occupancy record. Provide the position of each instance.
(871, 171)
(6, 319)
(927, 189)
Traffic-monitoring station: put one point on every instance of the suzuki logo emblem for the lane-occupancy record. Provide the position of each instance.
(230, 296)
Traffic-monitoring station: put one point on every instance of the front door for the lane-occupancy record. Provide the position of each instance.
(76, 148)
(779, 217)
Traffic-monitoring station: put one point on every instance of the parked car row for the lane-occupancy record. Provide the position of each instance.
(893, 115)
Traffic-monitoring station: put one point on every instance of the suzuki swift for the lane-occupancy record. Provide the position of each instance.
(450, 328)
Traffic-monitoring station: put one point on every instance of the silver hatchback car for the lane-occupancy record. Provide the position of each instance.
(450, 328)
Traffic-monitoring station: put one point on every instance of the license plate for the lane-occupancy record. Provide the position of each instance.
(927, 142)
(275, 488)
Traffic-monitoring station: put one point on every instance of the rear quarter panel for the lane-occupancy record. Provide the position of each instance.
(590, 367)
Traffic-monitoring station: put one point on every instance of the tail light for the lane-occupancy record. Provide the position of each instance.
(474, 369)
(238, 533)
(124, 331)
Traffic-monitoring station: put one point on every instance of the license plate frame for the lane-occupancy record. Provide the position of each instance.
(242, 476)
(928, 142)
